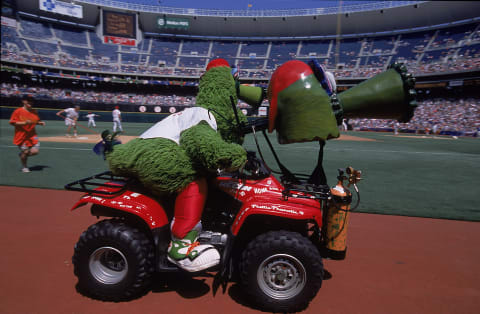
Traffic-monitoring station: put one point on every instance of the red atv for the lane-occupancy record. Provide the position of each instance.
(271, 235)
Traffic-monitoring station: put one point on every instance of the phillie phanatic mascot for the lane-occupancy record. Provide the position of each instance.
(176, 155)
(179, 152)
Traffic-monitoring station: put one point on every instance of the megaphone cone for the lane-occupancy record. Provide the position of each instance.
(388, 95)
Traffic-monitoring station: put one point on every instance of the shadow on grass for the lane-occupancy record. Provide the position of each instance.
(38, 168)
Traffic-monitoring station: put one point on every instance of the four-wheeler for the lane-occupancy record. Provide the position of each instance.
(272, 234)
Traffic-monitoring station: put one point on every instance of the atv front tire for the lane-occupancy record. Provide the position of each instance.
(113, 261)
(282, 271)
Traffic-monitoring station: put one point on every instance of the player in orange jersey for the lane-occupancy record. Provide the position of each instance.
(24, 119)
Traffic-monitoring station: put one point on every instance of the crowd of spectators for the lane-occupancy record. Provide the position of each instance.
(434, 116)
(460, 117)
(76, 96)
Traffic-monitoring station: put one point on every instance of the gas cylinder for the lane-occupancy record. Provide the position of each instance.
(335, 221)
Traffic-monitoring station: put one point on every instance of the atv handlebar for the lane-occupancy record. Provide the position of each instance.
(257, 125)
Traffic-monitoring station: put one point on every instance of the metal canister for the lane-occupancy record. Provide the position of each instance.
(335, 222)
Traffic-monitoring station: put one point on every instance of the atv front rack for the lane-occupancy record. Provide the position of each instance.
(105, 183)
(310, 191)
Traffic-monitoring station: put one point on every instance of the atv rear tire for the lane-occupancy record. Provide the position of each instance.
(113, 261)
(282, 271)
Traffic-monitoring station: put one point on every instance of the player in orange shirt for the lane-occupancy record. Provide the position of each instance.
(25, 119)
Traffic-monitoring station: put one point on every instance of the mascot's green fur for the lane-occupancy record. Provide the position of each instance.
(163, 166)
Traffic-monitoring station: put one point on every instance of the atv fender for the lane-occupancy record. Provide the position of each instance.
(138, 204)
(285, 209)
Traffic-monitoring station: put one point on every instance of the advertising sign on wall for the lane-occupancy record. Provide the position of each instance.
(59, 7)
(6, 21)
(119, 41)
(170, 22)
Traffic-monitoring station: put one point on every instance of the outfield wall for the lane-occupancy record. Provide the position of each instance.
(105, 116)
(50, 114)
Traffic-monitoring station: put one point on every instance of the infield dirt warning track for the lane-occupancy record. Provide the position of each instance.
(394, 265)
(95, 138)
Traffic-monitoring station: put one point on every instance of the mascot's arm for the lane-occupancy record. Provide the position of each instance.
(207, 148)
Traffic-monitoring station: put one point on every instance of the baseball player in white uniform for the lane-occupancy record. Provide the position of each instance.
(91, 119)
(117, 119)
(71, 117)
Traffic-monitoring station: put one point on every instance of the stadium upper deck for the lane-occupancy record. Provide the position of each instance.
(354, 41)
(454, 48)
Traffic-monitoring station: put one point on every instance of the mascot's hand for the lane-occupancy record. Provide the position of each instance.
(232, 158)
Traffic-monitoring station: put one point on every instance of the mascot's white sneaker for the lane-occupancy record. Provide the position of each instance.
(192, 256)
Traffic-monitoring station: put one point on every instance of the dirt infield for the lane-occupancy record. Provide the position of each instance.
(88, 138)
(426, 136)
(394, 265)
(92, 138)
(345, 137)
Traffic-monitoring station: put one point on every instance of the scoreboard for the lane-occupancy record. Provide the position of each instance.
(119, 28)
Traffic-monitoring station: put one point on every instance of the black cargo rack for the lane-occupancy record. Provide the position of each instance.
(310, 191)
(95, 183)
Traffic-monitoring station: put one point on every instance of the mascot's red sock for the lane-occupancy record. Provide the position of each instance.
(189, 207)
(184, 250)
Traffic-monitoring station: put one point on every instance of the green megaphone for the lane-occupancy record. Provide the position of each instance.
(388, 95)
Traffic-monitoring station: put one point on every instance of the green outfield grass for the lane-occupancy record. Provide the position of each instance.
(421, 176)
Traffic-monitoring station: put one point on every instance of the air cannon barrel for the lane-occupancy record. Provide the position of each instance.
(388, 95)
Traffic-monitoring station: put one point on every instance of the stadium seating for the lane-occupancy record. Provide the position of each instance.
(35, 29)
(453, 48)
(187, 62)
(164, 52)
(281, 52)
(76, 52)
(448, 37)
(10, 37)
(195, 47)
(349, 51)
(103, 52)
(130, 58)
(226, 50)
(254, 49)
(71, 35)
(314, 48)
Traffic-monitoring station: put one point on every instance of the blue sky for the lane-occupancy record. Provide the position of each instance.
(244, 4)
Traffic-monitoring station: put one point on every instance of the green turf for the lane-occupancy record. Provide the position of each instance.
(419, 176)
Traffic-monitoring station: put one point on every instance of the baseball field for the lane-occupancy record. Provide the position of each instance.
(409, 175)
(394, 264)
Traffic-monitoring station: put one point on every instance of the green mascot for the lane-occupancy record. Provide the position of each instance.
(179, 152)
